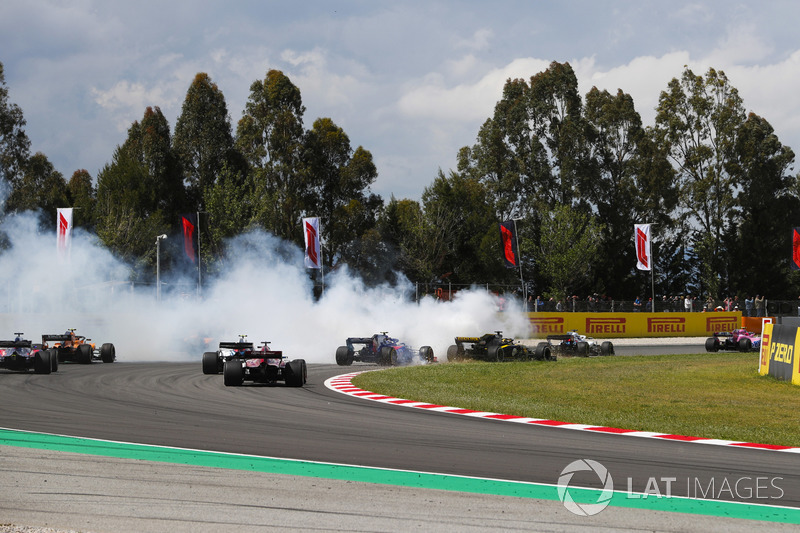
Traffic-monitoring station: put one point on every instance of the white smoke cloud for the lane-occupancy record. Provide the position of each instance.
(263, 292)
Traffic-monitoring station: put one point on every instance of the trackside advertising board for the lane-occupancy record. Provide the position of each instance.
(779, 358)
(614, 325)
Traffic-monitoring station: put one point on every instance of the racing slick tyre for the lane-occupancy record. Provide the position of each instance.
(391, 356)
(233, 373)
(210, 363)
(41, 362)
(53, 360)
(108, 354)
(712, 344)
(607, 348)
(84, 354)
(745, 345)
(582, 348)
(344, 356)
(542, 352)
(494, 353)
(296, 373)
(452, 354)
(384, 356)
(426, 354)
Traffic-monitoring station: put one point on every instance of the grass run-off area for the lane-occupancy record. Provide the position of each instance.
(712, 395)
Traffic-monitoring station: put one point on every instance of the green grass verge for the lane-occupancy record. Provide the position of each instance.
(709, 395)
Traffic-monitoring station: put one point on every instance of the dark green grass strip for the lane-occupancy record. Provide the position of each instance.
(387, 477)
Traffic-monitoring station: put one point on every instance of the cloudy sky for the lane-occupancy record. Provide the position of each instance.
(409, 81)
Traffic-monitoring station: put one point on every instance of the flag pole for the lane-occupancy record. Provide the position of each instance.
(199, 259)
(652, 273)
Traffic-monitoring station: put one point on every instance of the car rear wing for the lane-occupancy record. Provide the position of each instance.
(559, 337)
(236, 345)
(15, 344)
(56, 338)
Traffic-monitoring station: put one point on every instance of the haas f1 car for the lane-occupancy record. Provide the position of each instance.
(383, 350)
(493, 347)
(77, 348)
(23, 355)
(738, 339)
(213, 362)
(262, 365)
(573, 343)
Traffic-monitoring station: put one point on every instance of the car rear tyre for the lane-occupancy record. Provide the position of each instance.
(494, 353)
(607, 348)
(426, 354)
(344, 356)
(84, 354)
(542, 351)
(745, 345)
(53, 360)
(452, 353)
(233, 373)
(108, 354)
(712, 344)
(210, 363)
(41, 362)
(583, 349)
(296, 372)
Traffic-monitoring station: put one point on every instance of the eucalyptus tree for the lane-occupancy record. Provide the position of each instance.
(336, 186)
(627, 181)
(40, 188)
(203, 139)
(759, 239)
(270, 136)
(82, 196)
(698, 120)
(14, 142)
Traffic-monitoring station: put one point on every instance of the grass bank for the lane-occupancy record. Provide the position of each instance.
(709, 395)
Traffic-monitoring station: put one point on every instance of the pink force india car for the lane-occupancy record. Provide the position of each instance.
(738, 339)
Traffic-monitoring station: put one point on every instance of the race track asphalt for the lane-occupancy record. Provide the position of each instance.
(174, 404)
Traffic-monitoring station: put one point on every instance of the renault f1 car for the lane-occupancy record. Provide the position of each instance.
(738, 339)
(214, 362)
(23, 355)
(383, 350)
(573, 343)
(493, 347)
(77, 348)
(262, 365)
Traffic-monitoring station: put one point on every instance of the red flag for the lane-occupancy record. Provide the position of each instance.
(64, 231)
(796, 249)
(642, 235)
(311, 233)
(189, 226)
(508, 240)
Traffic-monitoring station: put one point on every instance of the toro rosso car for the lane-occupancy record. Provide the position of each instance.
(263, 365)
(23, 355)
(738, 339)
(77, 348)
(213, 362)
(493, 347)
(383, 350)
(573, 343)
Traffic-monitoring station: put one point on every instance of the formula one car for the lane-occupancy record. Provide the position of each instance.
(573, 343)
(23, 355)
(383, 350)
(738, 339)
(213, 362)
(493, 347)
(263, 365)
(77, 348)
